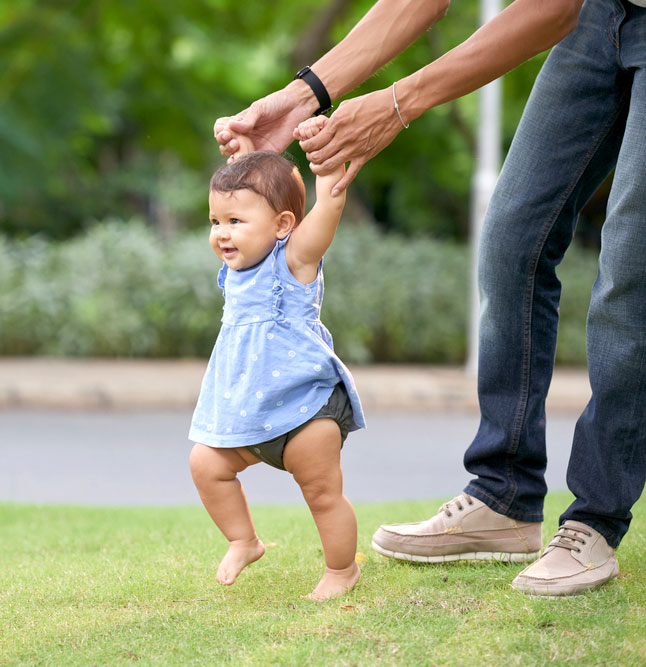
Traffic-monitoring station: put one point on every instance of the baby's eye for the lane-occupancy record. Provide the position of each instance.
(215, 222)
(235, 221)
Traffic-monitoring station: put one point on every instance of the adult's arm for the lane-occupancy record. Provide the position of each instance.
(386, 30)
(365, 125)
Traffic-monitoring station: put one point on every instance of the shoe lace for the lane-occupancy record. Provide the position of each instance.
(457, 503)
(569, 537)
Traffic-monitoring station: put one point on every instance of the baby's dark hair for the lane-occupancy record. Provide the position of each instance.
(268, 174)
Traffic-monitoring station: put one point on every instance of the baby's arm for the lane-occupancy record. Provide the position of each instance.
(313, 236)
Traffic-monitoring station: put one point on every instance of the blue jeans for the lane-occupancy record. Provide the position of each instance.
(586, 115)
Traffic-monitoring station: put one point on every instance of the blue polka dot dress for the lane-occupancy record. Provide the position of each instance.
(273, 366)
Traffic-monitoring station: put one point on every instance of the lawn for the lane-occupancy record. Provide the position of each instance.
(100, 586)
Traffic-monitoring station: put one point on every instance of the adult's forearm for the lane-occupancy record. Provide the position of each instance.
(385, 31)
(523, 29)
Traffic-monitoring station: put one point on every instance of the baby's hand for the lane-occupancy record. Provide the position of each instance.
(324, 182)
(244, 141)
(310, 128)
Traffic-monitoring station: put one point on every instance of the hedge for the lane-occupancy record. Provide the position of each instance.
(121, 290)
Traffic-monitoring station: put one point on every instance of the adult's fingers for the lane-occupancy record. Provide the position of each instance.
(326, 159)
(221, 128)
(320, 152)
(321, 146)
(230, 147)
(223, 137)
(334, 162)
(348, 177)
(224, 128)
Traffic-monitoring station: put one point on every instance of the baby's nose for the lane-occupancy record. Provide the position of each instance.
(222, 231)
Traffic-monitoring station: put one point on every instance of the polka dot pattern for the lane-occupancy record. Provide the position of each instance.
(273, 366)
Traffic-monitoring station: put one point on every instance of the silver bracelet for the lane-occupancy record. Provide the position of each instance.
(397, 108)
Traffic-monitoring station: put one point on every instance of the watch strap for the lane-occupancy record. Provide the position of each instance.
(319, 90)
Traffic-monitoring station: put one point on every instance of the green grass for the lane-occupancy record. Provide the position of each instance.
(99, 586)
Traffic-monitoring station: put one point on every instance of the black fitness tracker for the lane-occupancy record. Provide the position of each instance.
(323, 97)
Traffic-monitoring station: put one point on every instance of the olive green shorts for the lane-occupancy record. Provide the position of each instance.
(337, 408)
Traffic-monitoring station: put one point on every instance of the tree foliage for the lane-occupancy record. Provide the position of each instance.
(107, 108)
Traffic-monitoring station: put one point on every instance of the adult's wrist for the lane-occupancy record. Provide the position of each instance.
(302, 95)
(318, 88)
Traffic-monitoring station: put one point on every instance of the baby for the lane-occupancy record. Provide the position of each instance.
(274, 389)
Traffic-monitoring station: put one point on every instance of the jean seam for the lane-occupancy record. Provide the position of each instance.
(613, 36)
(529, 299)
(613, 31)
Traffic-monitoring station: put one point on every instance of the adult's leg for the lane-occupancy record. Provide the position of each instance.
(567, 142)
(608, 462)
(607, 467)
(215, 472)
(313, 458)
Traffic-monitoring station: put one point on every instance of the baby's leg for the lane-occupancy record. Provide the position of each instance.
(214, 473)
(313, 457)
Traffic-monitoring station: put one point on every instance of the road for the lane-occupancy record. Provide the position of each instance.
(121, 458)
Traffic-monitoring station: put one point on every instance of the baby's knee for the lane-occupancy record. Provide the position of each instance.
(209, 464)
(320, 497)
(198, 462)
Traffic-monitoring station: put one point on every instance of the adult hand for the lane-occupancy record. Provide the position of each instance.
(356, 132)
(269, 122)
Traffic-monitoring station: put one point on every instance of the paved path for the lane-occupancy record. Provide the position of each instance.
(151, 384)
(114, 432)
(141, 458)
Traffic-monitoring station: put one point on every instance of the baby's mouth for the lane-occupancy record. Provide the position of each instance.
(229, 252)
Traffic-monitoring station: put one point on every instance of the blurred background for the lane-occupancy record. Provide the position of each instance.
(106, 149)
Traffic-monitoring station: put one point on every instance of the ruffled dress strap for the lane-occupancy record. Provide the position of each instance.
(222, 277)
(278, 288)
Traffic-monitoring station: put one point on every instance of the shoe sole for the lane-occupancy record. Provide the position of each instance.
(536, 589)
(503, 557)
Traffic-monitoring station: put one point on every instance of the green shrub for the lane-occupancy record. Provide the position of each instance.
(116, 291)
(120, 290)
(577, 272)
(395, 298)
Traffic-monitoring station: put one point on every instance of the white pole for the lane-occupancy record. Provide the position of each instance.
(484, 180)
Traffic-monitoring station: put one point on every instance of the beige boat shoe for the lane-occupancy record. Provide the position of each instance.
(578, 559)
(463, 529)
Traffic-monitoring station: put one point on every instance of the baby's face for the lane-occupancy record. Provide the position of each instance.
(244, 228)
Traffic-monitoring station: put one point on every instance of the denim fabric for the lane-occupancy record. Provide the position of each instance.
(586, 114)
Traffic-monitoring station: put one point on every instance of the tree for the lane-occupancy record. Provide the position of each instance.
(107, 108)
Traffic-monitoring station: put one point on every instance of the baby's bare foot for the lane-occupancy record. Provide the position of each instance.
(336, 582)
(240, 554)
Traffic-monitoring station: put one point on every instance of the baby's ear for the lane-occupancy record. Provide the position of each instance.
(286, 222)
